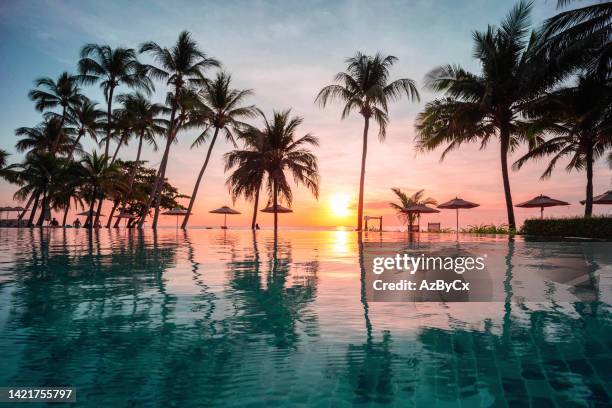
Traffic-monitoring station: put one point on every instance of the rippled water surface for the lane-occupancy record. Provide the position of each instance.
(228, 318)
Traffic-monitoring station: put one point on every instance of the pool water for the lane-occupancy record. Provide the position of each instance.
(234, 319)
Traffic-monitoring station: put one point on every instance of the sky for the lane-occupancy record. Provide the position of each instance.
(286, 51)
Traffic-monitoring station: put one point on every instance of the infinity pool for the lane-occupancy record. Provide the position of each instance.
(228, 318)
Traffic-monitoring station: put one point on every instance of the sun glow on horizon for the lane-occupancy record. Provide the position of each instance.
(340, 204)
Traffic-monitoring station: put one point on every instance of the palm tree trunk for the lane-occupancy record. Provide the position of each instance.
(65, 214)
(275, 202)
(109, 105)
(505, 143)
(128, 193)
(27, 207)
(588, 205)
(88, 220)
(161, 171)
(61, 132)
(364, 153)
(117, 149)
(254, 221)
(76, 143)
(99, 211)
(33, 212)
(112, 213)
(197, 184)
(41, 218)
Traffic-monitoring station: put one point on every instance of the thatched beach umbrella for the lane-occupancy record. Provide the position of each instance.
(177, 212)
(418, 209)
(279, 209)
(605, 198)
(225, 210)
(456, 204)
(541, 201)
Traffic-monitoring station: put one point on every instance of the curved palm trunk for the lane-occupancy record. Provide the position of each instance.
(364, 153)
(588, 205)
(27, 207)
(61, 132)
(117, 149)
(65, 214)
(76, 143)
(33, 212)
(43, 210)
(161, 172)
(99, 211)
(197, 184)
(109, 105)
(505, 143)
(254, 221)
(112, 213)
(88, 220)
(128, 193)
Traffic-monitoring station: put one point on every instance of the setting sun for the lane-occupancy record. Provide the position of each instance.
(339, 204)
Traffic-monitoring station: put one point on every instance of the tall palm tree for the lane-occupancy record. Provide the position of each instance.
(221, 108)
(249, 166)
(87, 120)
(146, 123)
(286, 152)
(406, 201)
(63, 92)
(112, 67)
(48, 136)
(67, 188)
(480, 107)
(99, 176)
(182, 67)
(6, 170)
(579, 119)
(583, 36)
(365, 88)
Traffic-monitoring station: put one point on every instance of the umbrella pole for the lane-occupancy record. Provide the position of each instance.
(541, 213)
(457, 216)
(225, 220)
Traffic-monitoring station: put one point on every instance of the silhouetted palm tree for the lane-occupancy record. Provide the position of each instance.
(48, 136)
(365, 88)
(99, 177)
(87, 120)
(112, 67)
(64, 92)
(221, 109)
(249, 166)
(406, 201)
(582, 36)
(480, 107)
(182, 67)
(285, 152)
(579, 119)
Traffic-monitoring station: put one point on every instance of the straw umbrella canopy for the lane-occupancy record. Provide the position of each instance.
(225, 210)
(418, 209)
(541, 201)
(456, 204)
(177, 212)
(279, 209)
(605, 198)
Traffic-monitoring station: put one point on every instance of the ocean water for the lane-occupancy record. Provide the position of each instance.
(213, 318)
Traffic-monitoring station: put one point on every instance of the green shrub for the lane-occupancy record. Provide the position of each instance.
(595, 227)
(486, 229)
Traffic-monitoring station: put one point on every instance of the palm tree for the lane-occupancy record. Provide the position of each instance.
(99, 176)
(112, 67)
(146, 124)
(182, 67)
(63, 92)
(479, 107)
(48, 136)
(283, 151)
(249, 169)
(579, 119)
(406, 201)
(220, 107)
(365, 88)
(582, 35)
(6, 170)
(87, 119)
(67, 188)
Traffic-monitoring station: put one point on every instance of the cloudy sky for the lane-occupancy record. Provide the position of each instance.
(286, 51)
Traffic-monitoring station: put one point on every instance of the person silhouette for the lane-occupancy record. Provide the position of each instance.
(257, 226)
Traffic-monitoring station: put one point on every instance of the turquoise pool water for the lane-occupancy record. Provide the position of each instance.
(212, 318)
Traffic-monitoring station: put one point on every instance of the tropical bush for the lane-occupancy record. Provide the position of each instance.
(589, 227)
(486, 229)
